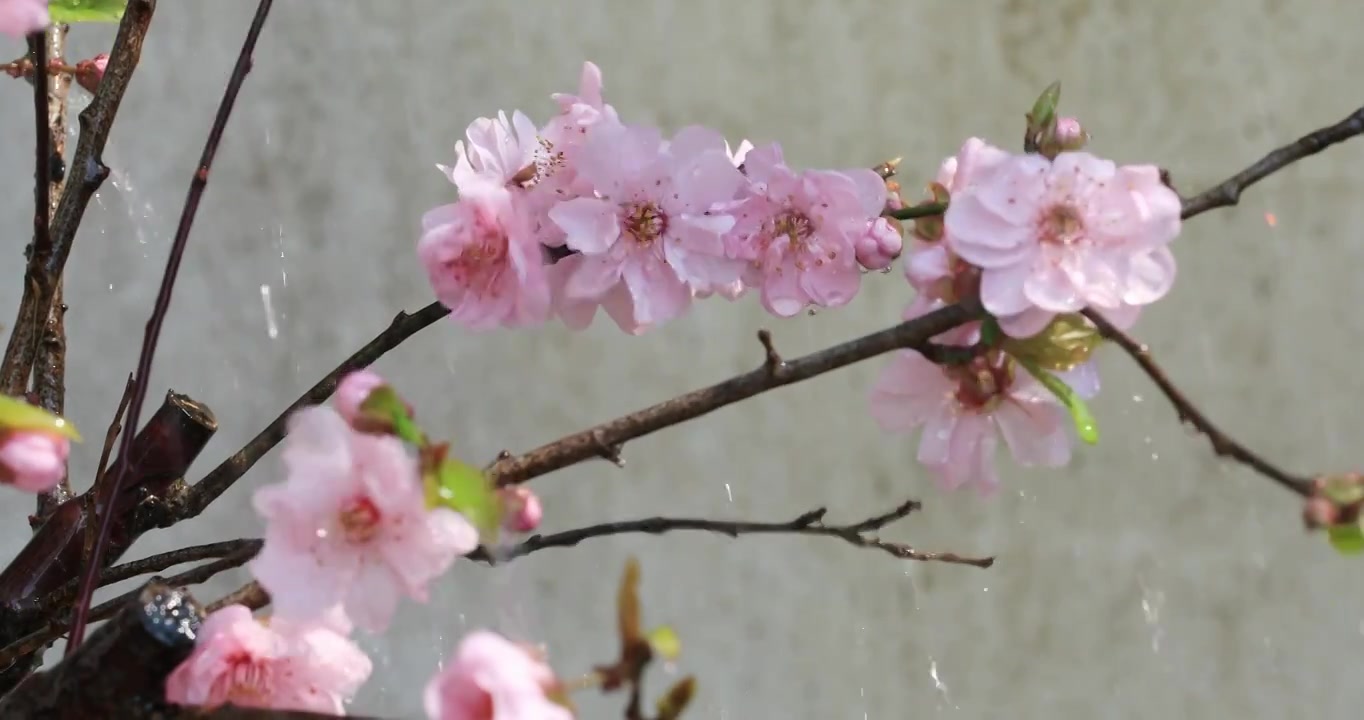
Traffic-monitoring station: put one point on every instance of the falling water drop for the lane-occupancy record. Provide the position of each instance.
(729, 492)
(1136, 398)
(271, 328)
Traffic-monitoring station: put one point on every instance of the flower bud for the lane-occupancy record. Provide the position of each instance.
(1068, 135)
(33, 461)
(879, 245)
(521, 509)
(353, 391)
(90, 72)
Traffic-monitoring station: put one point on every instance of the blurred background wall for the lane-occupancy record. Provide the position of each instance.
(1147, 580)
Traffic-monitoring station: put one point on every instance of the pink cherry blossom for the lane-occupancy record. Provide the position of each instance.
(350, 525)
(483, 260)
(280, 665)
(498, 152)
(579, 113)
(1063, 235)
(521, 509)
(879, 245)
(799, 231)
(353, 390)
(491, 678)
(652, 229)
(961, 408)
(21, 17)
(32, 461)
(90, 72)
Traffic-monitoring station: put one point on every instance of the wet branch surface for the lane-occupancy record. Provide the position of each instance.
(1222, 444)
(49, 369)
(85, 175)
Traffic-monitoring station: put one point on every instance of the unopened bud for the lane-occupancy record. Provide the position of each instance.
(353, 391)
(879, 245)
(521, 509)
(1318, 512)
(1069, 135)
(90, 72)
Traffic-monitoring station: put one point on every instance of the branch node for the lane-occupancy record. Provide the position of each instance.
(609, 452)
(772, 362)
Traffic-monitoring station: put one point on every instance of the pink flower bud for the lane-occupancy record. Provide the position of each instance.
(33, 461)
(90, 72)
(353, 390)
(1069, 135)
(521, 509)
(879, 245)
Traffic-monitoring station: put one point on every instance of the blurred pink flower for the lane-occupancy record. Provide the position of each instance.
(799, 232)
(1060, 236)
(651, 230)
(32, 461)
(961, 408)
(521, 509)
(90, 72)
(350, 525)
(483, 260)
(353, 391)
(491, 678)
(281, 666)
(21, 17)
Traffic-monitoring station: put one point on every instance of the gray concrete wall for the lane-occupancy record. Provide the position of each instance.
(1147, 580)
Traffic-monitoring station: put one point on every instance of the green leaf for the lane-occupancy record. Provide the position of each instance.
(1346, 539)
(1044, 110)
(1068, 341)
(77, 11)
(15, 414)
(384, 403)
(466, 490)
(989, 332)
(671, 705)
(1085, 424)
(664, 642)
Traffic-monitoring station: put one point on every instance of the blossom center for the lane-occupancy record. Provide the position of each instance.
(644, 222)
(246, 679)
(487, 251)
(545, 162)
(794, 225)
(359, 519)
(1061, 225)
(983, 382)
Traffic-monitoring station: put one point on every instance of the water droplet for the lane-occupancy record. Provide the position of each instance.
(271, 328)
(1136, 398)
(729, 492)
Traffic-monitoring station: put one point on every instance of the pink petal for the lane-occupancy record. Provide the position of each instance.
(590, 224)
(1035, 432)
(936, 442)
(1001, 289)
(1027, 323)
(781, 293)
(593, 277)
(910, 390)
(1050, 288)
(927, 263)
(833, 285)
(659, 295)
(1149, 277)
(982, 237)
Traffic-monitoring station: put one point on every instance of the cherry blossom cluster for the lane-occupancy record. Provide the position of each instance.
(1039, 237)
(589, 211)
(369, 514)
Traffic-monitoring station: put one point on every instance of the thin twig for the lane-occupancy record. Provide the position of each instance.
(243, 550)
(588, 444)
(1228, 192)
(53, 630)
(45, 268)
(810, 523)
(913, 212)
(204, 492)
(251, 595)
(1222, 444)
(161, 308)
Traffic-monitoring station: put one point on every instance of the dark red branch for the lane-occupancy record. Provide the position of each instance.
(1222, 444)
(142, 377)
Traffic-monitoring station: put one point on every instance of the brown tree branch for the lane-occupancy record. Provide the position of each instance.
(44, 270)
(1222, 444)
(810, 523)
(160, 309)
(606, 439)
(243, 550)
(49, 371)
(53, 629)
(1228, 192)
(204, 492)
